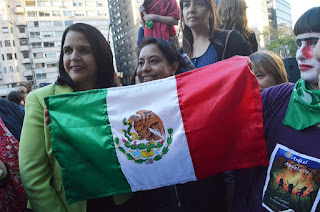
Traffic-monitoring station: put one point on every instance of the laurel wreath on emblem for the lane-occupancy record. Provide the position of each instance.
(156, 147)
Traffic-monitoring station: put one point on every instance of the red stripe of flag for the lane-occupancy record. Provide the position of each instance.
(222, 114)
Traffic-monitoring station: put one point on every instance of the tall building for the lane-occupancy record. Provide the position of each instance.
(280, 20)
(125, 23)
(31, 32)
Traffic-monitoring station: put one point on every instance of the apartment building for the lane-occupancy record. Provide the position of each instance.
(31, 32)
(125, 23)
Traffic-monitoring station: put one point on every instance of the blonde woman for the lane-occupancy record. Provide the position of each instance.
(232, 15)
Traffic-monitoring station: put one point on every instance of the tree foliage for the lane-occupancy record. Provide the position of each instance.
(279, 46)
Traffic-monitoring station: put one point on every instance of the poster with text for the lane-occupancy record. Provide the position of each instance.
(292, 182)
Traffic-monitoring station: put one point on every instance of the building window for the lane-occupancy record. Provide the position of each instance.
(5, 70)
(10, 69)
(7, 43)
(57, 23)
(32, 13)
(52, 65)
(36, 45)
(45, 23)
(38, 55)
(34, 34)
(39, 65)
(68, 23)
(48, 44)
(67, 13)
(47, 34)
(99, 4)
(3, 57)
(22, 30)
(44, 14)
(50, 55)
(25, 54)
(9, 56)
(0, 43)
(23, 42)
(33, 24)
(15, 55)
(43, 3)
(13, 43)
(58, 33)
(41, 76)
(78, 13)
(56, 13)
(5, 30)
(77, 4)
(30, 3)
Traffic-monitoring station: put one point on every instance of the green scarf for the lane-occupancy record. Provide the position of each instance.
(304, 107)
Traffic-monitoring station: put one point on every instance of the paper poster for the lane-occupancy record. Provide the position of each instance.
(292, 182)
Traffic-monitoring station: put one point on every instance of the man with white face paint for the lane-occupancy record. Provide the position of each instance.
(291, 114)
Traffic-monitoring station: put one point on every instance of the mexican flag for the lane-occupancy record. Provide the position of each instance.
(174, 130)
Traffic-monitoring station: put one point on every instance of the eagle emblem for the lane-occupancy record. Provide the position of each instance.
(149, 142)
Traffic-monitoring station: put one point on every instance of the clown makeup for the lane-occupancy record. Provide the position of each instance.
(309, 66)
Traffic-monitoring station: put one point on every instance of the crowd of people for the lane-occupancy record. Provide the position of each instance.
(291, 113)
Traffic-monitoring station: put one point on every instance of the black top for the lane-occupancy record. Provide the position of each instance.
(252, 40)
(12, 116)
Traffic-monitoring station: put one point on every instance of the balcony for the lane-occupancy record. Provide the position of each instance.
(27, 73)
(24, 48)
(26, 60)
(18, 10)
(23, 35)
(21, 23)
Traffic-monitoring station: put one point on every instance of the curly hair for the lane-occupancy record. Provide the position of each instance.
(187, 41)
(232, 15)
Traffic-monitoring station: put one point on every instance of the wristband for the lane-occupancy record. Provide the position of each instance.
(157, 18)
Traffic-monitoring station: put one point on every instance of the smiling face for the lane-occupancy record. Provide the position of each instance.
(153, 64)
(196, 13)
(309, 66)
(78, 60)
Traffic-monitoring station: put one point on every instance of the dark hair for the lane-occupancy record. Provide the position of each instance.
(168, 50)
(15, 97)
(308, 22)
(232, 15)
(187, 41)
(27, 85)
(102, 54)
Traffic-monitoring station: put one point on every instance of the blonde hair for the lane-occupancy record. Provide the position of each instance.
(270, 63)
(232, 15)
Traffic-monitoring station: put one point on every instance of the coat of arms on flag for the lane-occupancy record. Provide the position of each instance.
(149, 143)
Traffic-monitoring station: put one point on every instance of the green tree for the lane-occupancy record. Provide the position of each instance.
(279, 47)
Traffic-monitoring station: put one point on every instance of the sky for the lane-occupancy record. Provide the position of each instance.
(298, 7)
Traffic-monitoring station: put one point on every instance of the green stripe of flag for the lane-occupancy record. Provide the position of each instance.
(100, 175)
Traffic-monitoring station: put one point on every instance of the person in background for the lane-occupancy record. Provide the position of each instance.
(163, 14)
(232, 15)
(292, 130)
(24, 88)
(12, 116)
(158, 59)
(268, 68)
(12, 195)
(85, 63)
(202, 41)
(17, 98)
